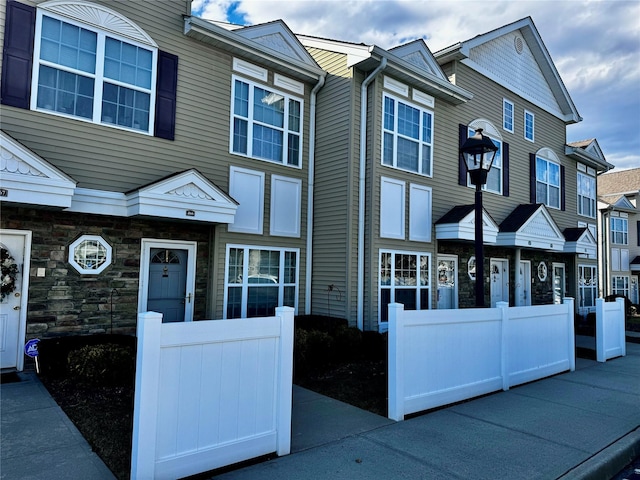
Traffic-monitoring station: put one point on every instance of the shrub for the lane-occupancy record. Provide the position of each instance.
(103, 364)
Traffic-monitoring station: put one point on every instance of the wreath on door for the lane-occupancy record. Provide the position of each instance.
(9, 273)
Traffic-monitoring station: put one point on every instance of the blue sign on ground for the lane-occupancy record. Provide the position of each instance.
(31, 347)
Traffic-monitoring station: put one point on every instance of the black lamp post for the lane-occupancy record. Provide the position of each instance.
(478, 153)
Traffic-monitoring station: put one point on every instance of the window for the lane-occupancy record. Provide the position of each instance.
(529, 126)
(507, 115)
(547, 182)
(586, 195)
(404, 278)
(259, 279)
(494, 177)
(619, 231)
(407, 136)
(90, 254)
(85, 73)
(587, 286)
(620, 285)
(266, 124)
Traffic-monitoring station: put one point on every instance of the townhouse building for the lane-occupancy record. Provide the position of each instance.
(150, 161)
(395, 211)
(153, 160)
(619, 240)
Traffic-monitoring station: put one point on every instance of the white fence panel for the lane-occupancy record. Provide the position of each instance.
(437, 357)
(210, 393)
(610, 329)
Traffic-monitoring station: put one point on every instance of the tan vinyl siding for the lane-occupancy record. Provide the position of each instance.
(335, 194)
(487, 103)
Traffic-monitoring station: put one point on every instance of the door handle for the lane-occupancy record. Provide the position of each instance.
(17, 307)
(189, 298)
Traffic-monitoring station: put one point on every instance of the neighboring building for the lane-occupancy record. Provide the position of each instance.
(394, 205)
(619, 241)
(151, 161)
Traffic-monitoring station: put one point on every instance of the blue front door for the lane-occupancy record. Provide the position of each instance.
(167, 283)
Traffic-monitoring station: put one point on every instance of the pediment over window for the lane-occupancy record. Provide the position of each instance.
(580, 241)
(188, 195)
(417, 54)
(531, 226)
(98, 16)
(459, 224)
(27, 178)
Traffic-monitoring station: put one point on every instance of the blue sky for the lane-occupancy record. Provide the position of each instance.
(594, 44)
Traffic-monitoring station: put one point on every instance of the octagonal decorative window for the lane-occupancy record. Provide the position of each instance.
(90, 254)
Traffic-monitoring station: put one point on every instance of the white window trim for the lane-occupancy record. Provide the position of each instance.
(582, 288)
(395, 134)
(233, 173)
(579, 196)
(276, 207)
(393, 287)
(385, 231)
(506, 102)
(624, 232)
(527, 113)
(250, 120)
(418, 209)
(98, 77)
(541, 155)
(625, 287)
(245, 285)
(89, 271)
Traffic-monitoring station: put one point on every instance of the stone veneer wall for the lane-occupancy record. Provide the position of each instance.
(64, 302)
(541, 291)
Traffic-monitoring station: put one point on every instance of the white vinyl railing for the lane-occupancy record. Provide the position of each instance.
(437, 357)
(210, 393)
(610, 329)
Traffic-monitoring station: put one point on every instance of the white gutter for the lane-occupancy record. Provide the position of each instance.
(361, 185)
(312, 155)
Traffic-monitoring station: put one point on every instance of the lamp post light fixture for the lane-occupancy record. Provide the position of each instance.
(478, 153)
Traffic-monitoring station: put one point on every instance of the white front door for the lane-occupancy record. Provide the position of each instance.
(167, 279)
(16, 248)
(558, 283)
(523, 284)
(499, 281)
(447, 281)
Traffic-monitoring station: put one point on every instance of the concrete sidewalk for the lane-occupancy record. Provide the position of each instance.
(38, 441)
(583, 424)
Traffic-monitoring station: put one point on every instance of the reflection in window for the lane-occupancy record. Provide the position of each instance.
(404, 278)
(90, 254)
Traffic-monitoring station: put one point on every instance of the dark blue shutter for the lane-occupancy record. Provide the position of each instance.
(638, 236)
(463, 133)
(563, 204)
(532, 178)
(505, 169)
(17, 57)
(166, 86)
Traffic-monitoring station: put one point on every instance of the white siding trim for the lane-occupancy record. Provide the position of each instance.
(423, 98)
(286, 204)
(250, 69)
(392, 208)
(247, 188)
(287, 83)
(419, 213)
(396, 86)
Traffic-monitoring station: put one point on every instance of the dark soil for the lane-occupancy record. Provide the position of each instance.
(91, 378)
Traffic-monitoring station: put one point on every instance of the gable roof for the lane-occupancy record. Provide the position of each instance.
(531, 226)
(27, 178)
(515, 57)
(270, 44)
(580, 240)
(589, 153)
(411, 63)
(459, 224)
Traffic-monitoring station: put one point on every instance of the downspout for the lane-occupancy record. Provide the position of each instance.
(310, 182)
(361, 185)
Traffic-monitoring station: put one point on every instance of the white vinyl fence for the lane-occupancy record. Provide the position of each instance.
(437, 357)
(210, 393)
(610, 329)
